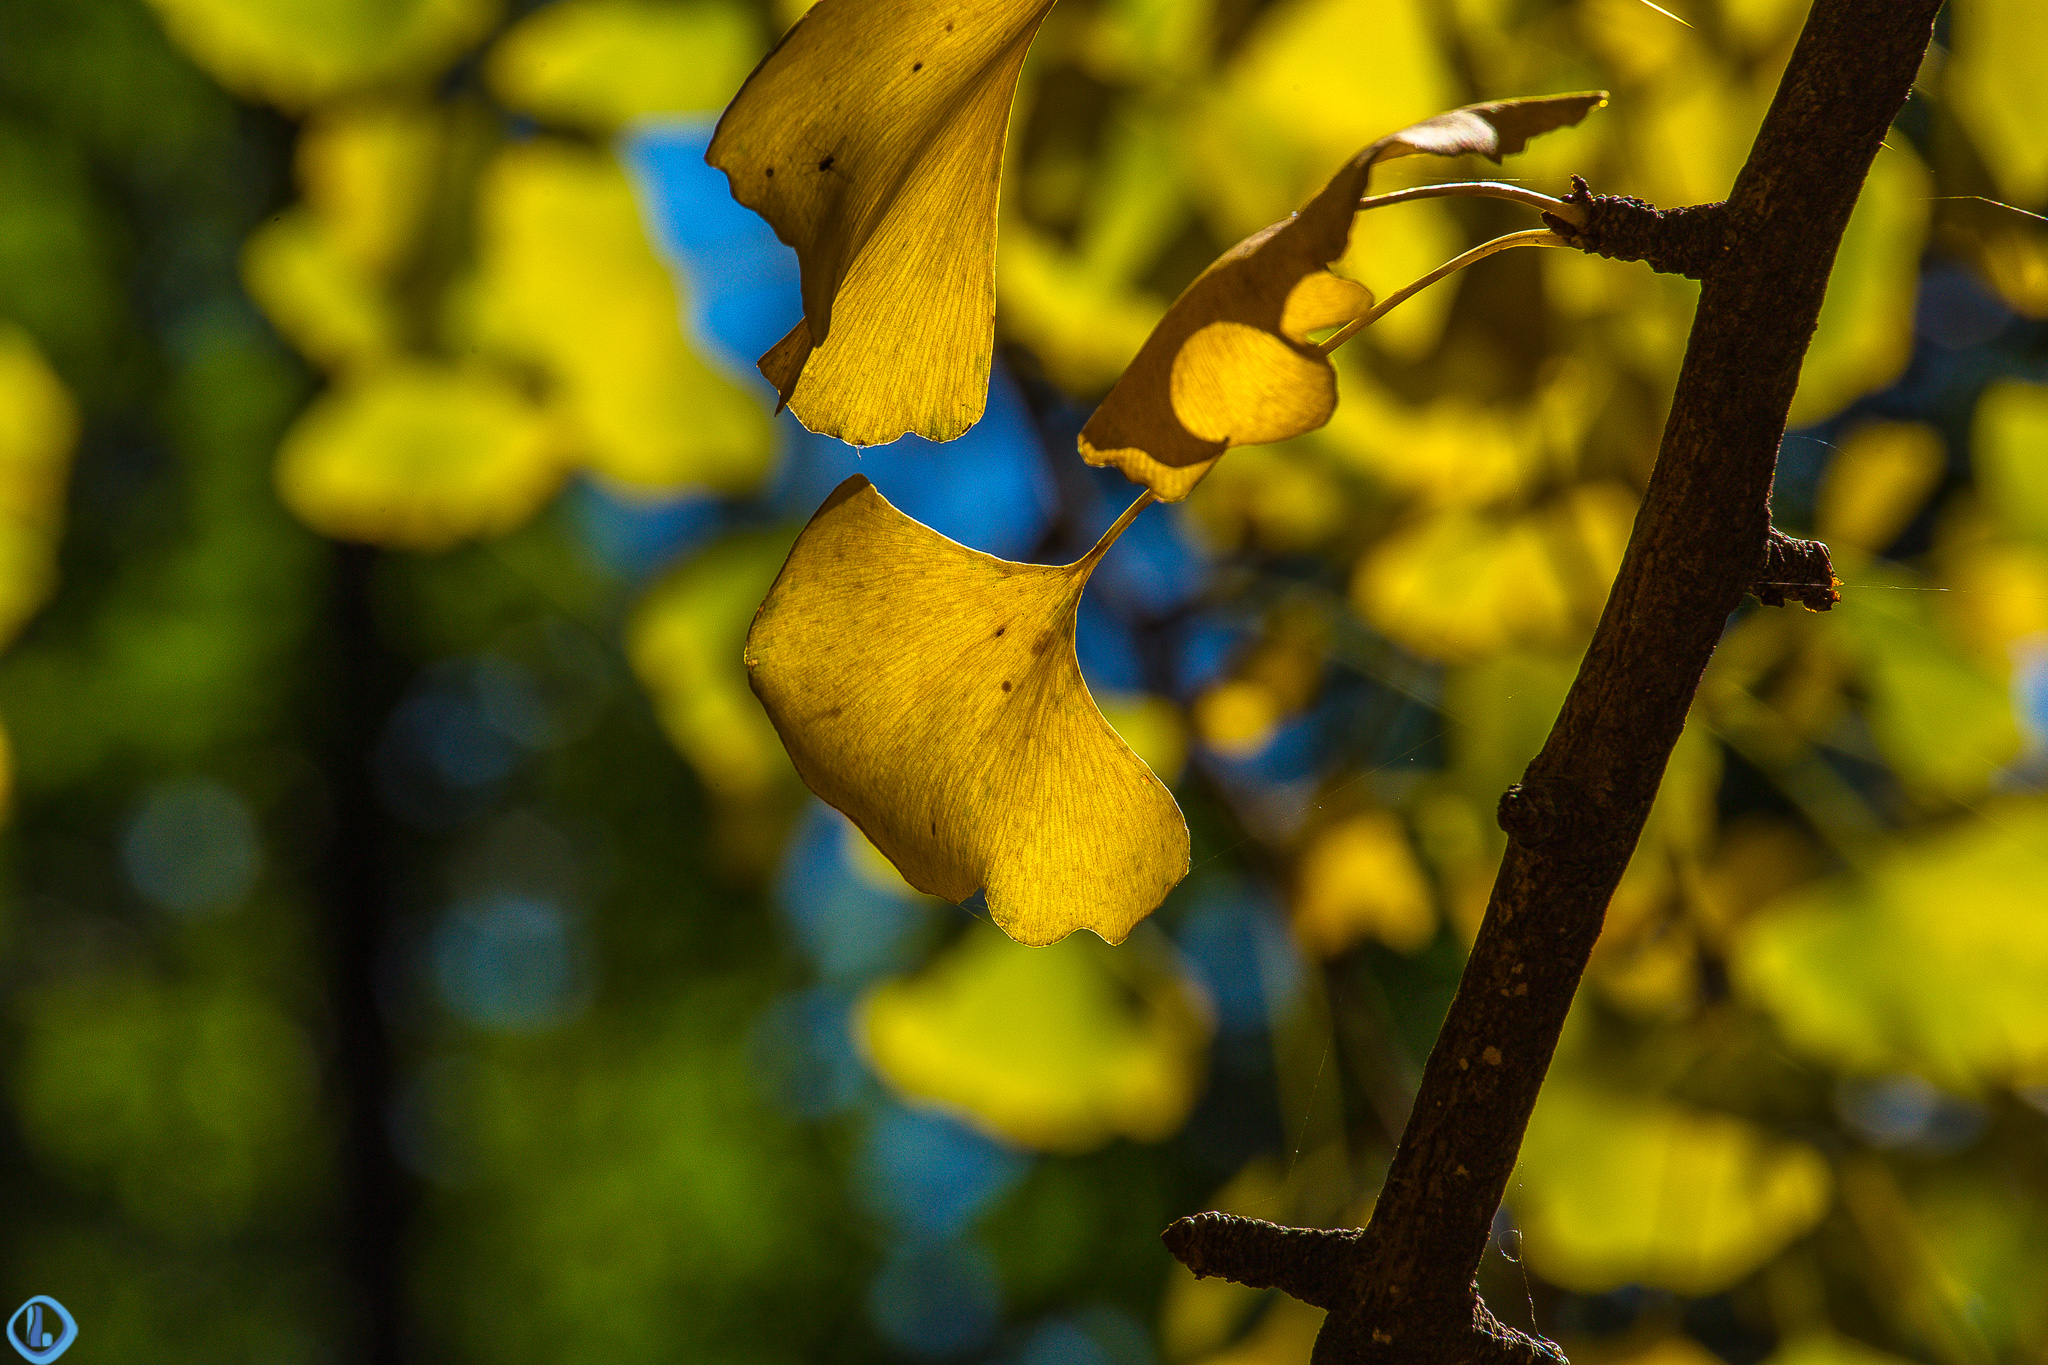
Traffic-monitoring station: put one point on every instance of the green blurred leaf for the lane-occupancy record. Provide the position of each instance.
(1930, 959)
(298, 53)
(1060, 1049)
(1945, 725)
(1615, 1190)
(2009, 449)
(600, 64)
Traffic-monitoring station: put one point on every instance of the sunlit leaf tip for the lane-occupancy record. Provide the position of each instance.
(931, 692)
(1231, 364)
(871, 139)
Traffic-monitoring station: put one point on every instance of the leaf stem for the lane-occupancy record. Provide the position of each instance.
(1488, 189)
(1117, 528)
(1533, 237)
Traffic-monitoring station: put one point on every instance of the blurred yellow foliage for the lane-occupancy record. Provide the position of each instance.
(324, 270)
(1152, 726)
(1283, 499)
(566, 281)
(315, 295)
(600, 64)
(372, 171)
(1458, 585)
(1880, 476)
(1060, 1049)
(297, 53)
(1237, 717)
(1932, 959)
(684, 642)
(1456, 452)
(1865, 333)
(420, 456)
(38, 427)
(1358, 880)
(1615, 1190)
(1291, 103)
(2009, 449)
(1997, 69)
(1941, 718)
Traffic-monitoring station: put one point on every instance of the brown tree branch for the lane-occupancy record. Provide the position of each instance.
(1402, 1289)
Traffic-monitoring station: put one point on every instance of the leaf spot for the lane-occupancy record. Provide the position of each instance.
(1006, 686)
(1000, 630)
(917, 66)
(771, 172)
(826, 164)
(1491, 1056)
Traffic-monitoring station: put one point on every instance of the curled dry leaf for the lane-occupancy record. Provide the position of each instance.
(871, 139)
(1231, 364)
(931, 692)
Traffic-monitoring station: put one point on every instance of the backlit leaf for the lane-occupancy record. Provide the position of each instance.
(296, 53)
(419, 456)
(1933, 959)
(871, 139)
(1059, 1049)
(1612, 1190)
(569, 282)
(1231, 364)
(601, 63)
(931, 692)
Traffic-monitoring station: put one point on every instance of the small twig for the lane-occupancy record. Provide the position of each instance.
(1487, 189)
(1533, 237)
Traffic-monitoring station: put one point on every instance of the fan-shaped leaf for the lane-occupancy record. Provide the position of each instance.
(1230, 363)
(931, 692)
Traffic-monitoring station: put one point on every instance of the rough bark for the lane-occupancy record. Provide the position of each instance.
(1402, 1288)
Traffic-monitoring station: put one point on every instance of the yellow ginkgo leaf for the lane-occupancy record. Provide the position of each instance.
(1230, 363)
(1060, 1050)
(871, 139)
(931, 692)
(420, 457)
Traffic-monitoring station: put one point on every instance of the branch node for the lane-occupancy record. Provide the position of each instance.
(1796, 571)
(1682, 241)
(1526, 816)
(1309, 1263)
